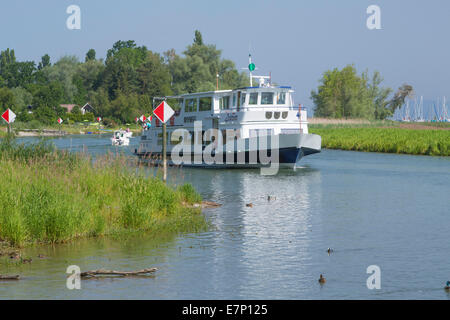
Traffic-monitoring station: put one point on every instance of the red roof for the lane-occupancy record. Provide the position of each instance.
(69, 107)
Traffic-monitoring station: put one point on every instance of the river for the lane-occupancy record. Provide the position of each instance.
(388, 210)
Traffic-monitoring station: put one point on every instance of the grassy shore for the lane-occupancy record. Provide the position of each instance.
(386, 136)
(49, 196)
(69, 129)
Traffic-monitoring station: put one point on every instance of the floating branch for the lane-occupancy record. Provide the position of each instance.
(203, 205)
(15, 277)
(210, 204)
(103, 272)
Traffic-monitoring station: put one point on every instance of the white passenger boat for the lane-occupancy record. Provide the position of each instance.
(120, 138)
(243, 119)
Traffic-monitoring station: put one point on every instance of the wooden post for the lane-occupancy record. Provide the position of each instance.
(9, 128)
(164, 153)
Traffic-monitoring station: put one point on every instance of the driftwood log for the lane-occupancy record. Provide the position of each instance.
(103, 272)
(15, 277)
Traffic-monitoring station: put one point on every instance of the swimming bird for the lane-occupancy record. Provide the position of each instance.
(322, 280)
(27, 260)
(249, 205)
(14, 255)
(447, 286)
(269, 198)
(330, 251)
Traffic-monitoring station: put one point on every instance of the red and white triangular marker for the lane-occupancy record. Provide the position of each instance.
(9, 116)
(99, 119)
(142, 118)
(163, 112)
(60, 120)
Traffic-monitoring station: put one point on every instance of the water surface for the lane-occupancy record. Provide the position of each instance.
(372, 209)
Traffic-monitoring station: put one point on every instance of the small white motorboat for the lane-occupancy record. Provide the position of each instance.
(120, 138)
(128, 134)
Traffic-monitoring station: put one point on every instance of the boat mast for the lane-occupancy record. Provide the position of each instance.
(250, 69)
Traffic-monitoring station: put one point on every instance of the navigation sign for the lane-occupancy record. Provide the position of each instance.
(142, 118)
(9, 116)
(60, 120)
(163, 112)
(99, 119)
(251, 66)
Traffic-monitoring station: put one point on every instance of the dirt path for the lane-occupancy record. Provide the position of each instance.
(337, 121)
(417, 126)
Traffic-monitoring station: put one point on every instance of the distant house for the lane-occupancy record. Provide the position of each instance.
(68, 107)
(87, 108)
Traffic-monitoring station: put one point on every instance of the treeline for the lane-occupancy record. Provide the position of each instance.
(119, 88)
(345, 94)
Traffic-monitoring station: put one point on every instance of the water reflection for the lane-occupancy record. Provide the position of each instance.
(389, 210)
(253, 248)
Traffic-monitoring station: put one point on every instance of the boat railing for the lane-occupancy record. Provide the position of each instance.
(259, 108)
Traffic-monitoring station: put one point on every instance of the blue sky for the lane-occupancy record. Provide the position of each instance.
(295, 40)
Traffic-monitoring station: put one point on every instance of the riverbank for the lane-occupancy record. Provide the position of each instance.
(426, 138)
(50, 196)
(23, 130)
(364, 123)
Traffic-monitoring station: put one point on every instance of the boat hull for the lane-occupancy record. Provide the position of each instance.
(291, 148)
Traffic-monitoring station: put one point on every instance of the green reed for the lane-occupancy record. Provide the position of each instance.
(49, 196)
(388, 140)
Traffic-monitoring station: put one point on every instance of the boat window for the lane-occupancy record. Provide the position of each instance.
(290, 131)
(224, 103)
(175, 139)
(190, 119)
(243, 99)
(230, 134)
(267, 98)
(260, 132)
(205, 104)
(281, 98)
(190, 105)
(200, 137)
(234, 100)
(253, 98)
(176, 104)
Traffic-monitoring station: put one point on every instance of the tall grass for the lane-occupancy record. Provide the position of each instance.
(389, 140)
(49, 196)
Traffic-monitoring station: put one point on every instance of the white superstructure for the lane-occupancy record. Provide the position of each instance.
(260, 111)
